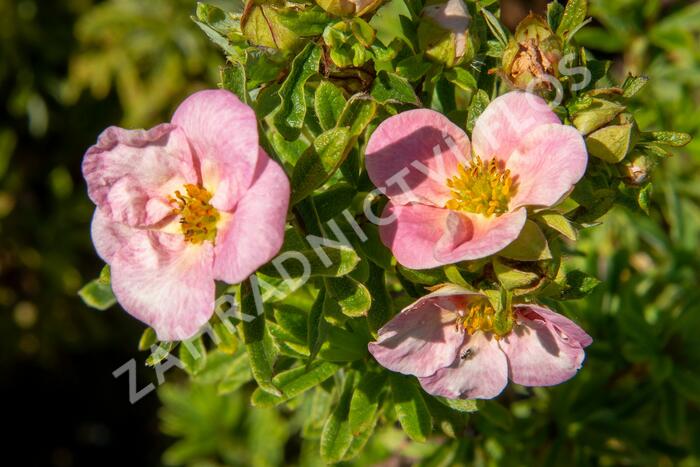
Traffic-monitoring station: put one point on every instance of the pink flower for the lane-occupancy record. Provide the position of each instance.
(446, 339)
(182, 205)
(448, 205)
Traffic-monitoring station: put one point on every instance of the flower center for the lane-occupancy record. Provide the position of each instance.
(478, 315)
(198, 218)
(482, 188)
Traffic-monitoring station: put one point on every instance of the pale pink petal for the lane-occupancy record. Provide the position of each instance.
(414, 233)
(569, 331)
(420, 340)
(537, 354)
(255, 233)
(410, 155)
(547, 164)
(506, 120)
(223, 132)
(131, 173)
(471, 236)
(165, 282)
(480, 371)
(109, 236)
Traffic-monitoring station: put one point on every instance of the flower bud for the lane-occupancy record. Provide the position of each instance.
(349, 7)
(636, 170)
(532, 56)
(443, 33)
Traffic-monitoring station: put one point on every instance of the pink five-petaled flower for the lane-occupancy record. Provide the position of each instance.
(446, 339)
(447, 205)
(182, 205)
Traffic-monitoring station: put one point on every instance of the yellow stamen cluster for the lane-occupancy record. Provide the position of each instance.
(198, 218)
(478, 316)
(482, 188)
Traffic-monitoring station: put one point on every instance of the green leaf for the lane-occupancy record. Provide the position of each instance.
(333, 201)
(364, 404)
(511, 277)
(314, 323)
(255, 335)
(413, 68)
(577, 284)
(328, 104)
(160, 353)
(337, 437)
(342, 345)
(392, 88)
(304, 22)
(496, 414)
(216, 37)
(293, 382)
(98, 292)
(233, 78)
(354, 298)
(558, 222)
(644, 197)
(373, 248)
(357, 114)
(476, 107)
(423, 276)
(411, 409)
(675, 139)
(193, 355)
(289, 119)
(461, 405)
(574, 14)
(633, 84)
(237, 375)
(148, 338)
(531, 245)
(340, 262)
(554, 14)
(320, 162)
(612, 143)
(598, 113)
(380, 310)
(393, 21)
(462, 78)
(497, 29)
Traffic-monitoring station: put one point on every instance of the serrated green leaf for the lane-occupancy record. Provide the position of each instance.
(462, 78)
(478, 104)
(237, 375)
(577, 284)
(461, 405)
(675, 139)
(497, 29)
(393, 21)
(193, 355)
(644, 197)
(633, 84)
(233, 78)
(413, 68)
(357, 114)
(554, 14)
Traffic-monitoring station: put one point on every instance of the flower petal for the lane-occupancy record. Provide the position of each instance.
(537, 354)
(413, 234)
(420, 340)
(223, 132)
(109, 236)
(255, 233)
(165, 282)
(569, 331)
(506, 120)
(547, 164)
(410, 155)
(131, 173)
(479, 372)
(472, 236)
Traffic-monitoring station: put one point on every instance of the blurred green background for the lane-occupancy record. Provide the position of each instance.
(69, 68)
